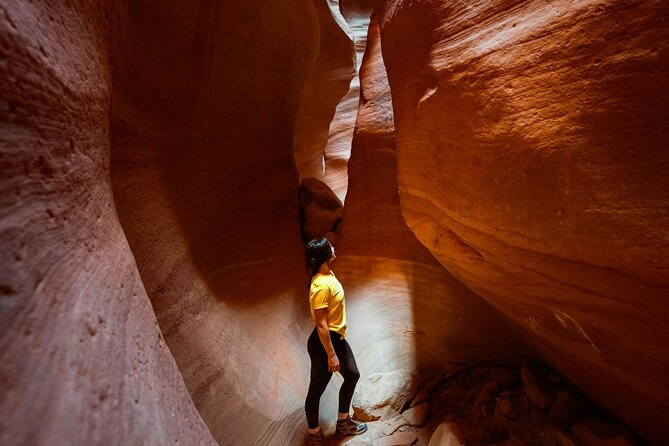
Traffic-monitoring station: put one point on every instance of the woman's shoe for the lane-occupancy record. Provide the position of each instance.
(317, 439)
(347, 427)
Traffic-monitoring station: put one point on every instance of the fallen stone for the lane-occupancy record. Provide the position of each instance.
(535, 389)
(320, 209)
(565, 410)
(503, 377)
(562, 439)
(420, 397)
(398, 439)
(417, 416)
(383, 395)
(444, 436)
(505, 406)
(395, 424)
(597, 432)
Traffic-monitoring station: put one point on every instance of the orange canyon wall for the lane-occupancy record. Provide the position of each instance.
(532, 162)
(528, 141)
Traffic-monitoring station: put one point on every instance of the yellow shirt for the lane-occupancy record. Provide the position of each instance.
(327, 292)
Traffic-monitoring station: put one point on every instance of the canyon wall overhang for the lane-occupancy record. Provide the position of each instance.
(532, 162)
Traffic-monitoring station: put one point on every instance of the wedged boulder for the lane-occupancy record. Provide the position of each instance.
(383, 395)
(320, 208)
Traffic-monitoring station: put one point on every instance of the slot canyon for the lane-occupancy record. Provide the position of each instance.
(493, 174)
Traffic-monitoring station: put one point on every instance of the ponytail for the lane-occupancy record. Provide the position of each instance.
(318, 251)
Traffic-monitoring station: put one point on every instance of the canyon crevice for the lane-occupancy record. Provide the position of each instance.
(503, 169)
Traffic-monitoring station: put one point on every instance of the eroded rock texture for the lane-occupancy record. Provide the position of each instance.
(338, 148)
(405, 310)
(531, 145)
(206, 188)
(328, 82)
(82, 360)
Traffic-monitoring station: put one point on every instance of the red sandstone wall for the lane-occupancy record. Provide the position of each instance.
(338, 149)
(328, 82)
(531, 148)
(400, 299)
(82, 360)
(206, 188)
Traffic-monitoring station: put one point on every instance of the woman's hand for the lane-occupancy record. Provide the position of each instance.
(333, 363)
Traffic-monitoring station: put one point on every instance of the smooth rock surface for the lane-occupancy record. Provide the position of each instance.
(82, 359)
(337, 151)
(383, 395)
(205, 184)
(443, 436)
(398, 439)
(328, 82)
(531, 162)
(417, 416)
(320, 209)
(405, 310)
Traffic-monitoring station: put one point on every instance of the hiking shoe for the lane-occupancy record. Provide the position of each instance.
(317, 439)
(348, 427)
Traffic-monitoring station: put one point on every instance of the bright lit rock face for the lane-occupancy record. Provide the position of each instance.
(532, 162)
(82, 360)
(338, 148)
(405, 309)
(328, 82)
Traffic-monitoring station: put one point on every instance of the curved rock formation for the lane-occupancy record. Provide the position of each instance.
(206, 189)
(82, 360)
(149, 189)
(531, 162)
(399, 298)
(338, 149)
(328, 82)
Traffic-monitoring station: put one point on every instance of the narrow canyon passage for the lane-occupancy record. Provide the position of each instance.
(502, 172)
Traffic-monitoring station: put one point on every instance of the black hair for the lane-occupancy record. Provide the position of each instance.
(318, 251)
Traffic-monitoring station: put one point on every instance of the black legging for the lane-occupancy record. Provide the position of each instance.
(320, 375)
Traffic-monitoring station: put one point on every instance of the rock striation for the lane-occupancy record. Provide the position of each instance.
(329, 81)
(506, 187)
(82, 360)
(405, 310)
(531, 163)
(205, 185)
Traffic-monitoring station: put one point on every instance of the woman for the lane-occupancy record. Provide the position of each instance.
(327, 346)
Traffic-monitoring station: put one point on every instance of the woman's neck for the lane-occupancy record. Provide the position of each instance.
(324, 269)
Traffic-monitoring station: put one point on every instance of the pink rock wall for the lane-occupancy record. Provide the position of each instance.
(206, 188)
(82, 360)
(531, 163)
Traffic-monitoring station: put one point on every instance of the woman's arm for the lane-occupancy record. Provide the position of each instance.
(321, 317)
